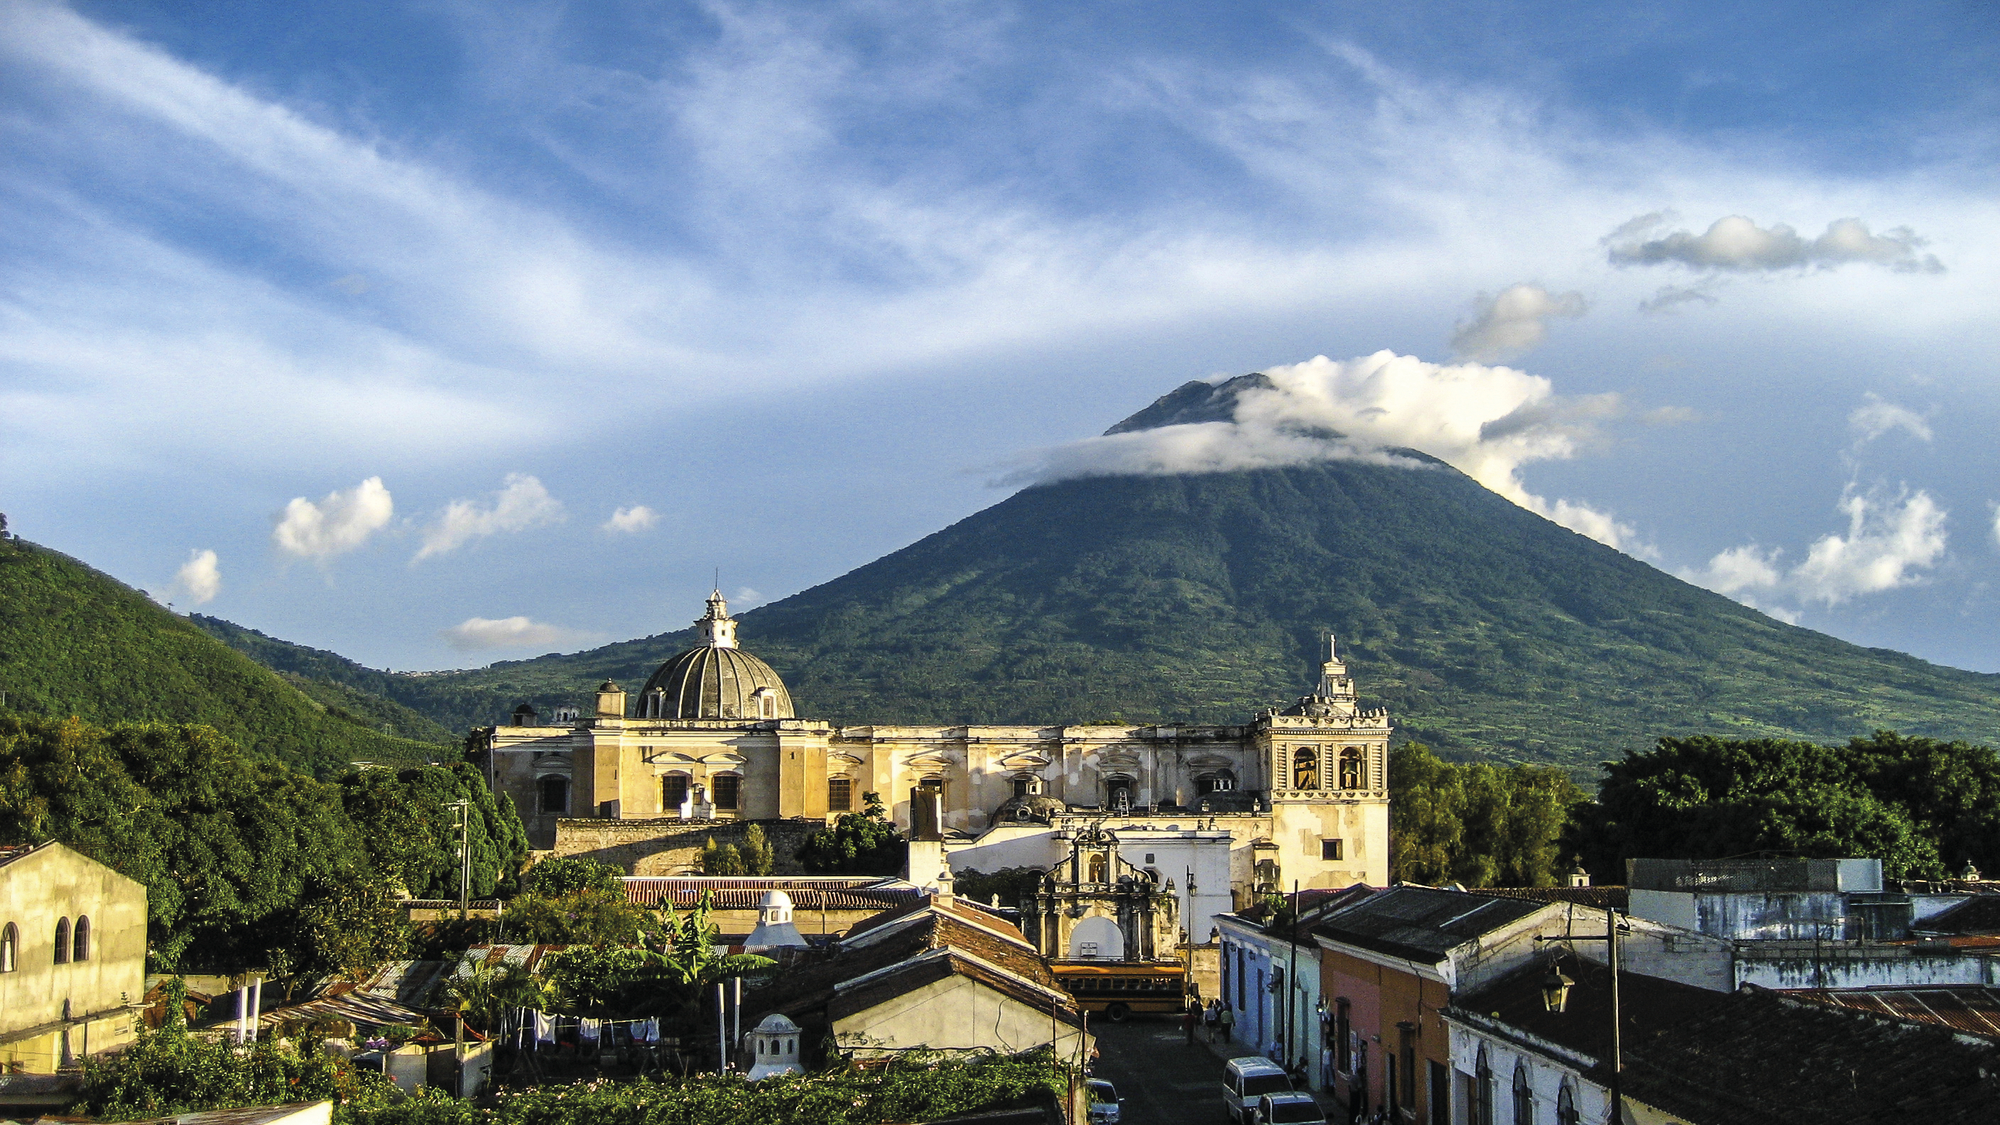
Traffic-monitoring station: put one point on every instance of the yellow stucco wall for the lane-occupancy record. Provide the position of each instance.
(43, 1002)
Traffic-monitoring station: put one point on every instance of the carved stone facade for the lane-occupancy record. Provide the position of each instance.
(1098, 905)
(1300, 791)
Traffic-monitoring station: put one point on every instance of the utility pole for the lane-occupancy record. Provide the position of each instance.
(464, 807)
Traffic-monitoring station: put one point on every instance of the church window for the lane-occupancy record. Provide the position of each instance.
(554, 792)
(1333, 849)
(1221, 781)
(1022, 787)
(1100, 869)
(62, 941)
(1482, 1090)
(10, 947)
(1566, 1106)
(727, 788)
(673, 791)
(1305, 768)
(1351, 772)
(1524, 1099)
(1118, 793)
(79, 942)
(839, 794)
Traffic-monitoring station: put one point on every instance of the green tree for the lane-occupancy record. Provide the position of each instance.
(486, 993)
(170, 1072)
(1920, 806)
(407, 824)
(758, 859)
(720, 860)
(1476, 824)
(1011, 884)
(862, 843)
(565, 875)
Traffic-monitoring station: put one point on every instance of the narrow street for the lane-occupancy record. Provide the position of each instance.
(1162, 1079)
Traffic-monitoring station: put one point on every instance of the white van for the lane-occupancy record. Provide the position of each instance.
(1245, 1080)
(1289, 1109)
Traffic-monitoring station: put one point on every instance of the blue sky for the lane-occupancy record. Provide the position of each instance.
(436, 333)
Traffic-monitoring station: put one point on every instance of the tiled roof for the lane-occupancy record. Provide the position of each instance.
(747, 893)
(1979, 914)
(11, 852)
(1600, 897)
(1421, 923)
(1970, 1008)
(1753, 1055)
(903, 949)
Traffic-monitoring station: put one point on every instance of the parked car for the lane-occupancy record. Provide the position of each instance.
(1289, 1109)
(1105, 1105)
(1245, 1080)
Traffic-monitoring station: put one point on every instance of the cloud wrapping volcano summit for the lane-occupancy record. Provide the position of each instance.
(1486, 421)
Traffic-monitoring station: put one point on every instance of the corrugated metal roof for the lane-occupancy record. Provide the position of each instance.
(1970, 1008)
(1421, 922)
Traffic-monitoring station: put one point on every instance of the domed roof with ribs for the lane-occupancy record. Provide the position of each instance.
(715, 679)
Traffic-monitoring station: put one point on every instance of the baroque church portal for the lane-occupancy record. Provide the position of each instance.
(1217, 813)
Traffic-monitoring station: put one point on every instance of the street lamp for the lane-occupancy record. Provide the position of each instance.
(1555, 988)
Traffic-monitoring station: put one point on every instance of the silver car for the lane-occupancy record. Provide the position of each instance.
(1104, 1103)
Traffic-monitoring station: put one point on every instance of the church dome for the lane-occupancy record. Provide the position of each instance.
(715, 679)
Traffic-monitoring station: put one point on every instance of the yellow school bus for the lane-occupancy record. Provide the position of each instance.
(1119, 988)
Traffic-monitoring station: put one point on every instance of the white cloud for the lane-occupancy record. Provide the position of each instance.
(631, 520)
(1512, 322)
(335, 525)
(1874, 418)
(1670, 297)
(480, 633)
(198, 579)
(745, 597)
(1888, 540)
(521, 504)
(1737, 244)
(1487, 422)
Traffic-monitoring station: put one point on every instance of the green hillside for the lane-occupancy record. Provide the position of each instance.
(1484, 628)
(74, 641)
(345, 687)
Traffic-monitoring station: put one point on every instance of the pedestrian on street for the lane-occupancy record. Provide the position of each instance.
(1208, 1015)
(1226, 1020)
(1189, 1015)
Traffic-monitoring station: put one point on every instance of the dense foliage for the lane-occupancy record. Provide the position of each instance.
(246, 863)
(77, 642)
(1476, 824)
(1010, 886)
(911, 1089)
(1483, 627)
(411, 831)
(1924, 807)
(669, 980)
(362, 693)
(863, 843)
(170, 1072)
(574, 901)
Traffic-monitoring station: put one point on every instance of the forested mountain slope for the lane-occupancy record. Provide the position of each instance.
(77, 642)
(1483, 627)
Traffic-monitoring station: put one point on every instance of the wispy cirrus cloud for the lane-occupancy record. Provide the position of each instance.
(1876, 418)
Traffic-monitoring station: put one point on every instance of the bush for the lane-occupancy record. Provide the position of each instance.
(862, 843)
(171, 1072)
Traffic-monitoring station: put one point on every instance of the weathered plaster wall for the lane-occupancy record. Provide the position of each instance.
(956, 1012)
(89, 996)
(673, 846)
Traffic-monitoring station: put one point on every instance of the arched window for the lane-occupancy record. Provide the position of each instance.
(1118, 793)
(1566, 1105)
(1305, 768)
(554, 794)
(80, 941)
(1482, 1091)
(10, 948)
(673, 791)
(1524, 1098)
(62, 942)
(1099, 869)
(1352, 773)
(727, 788)
(1219, 781)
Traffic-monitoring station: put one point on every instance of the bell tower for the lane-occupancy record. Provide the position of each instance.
(716, 628)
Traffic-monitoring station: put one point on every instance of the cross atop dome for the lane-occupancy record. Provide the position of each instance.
(1333, 681)
(716, 628)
